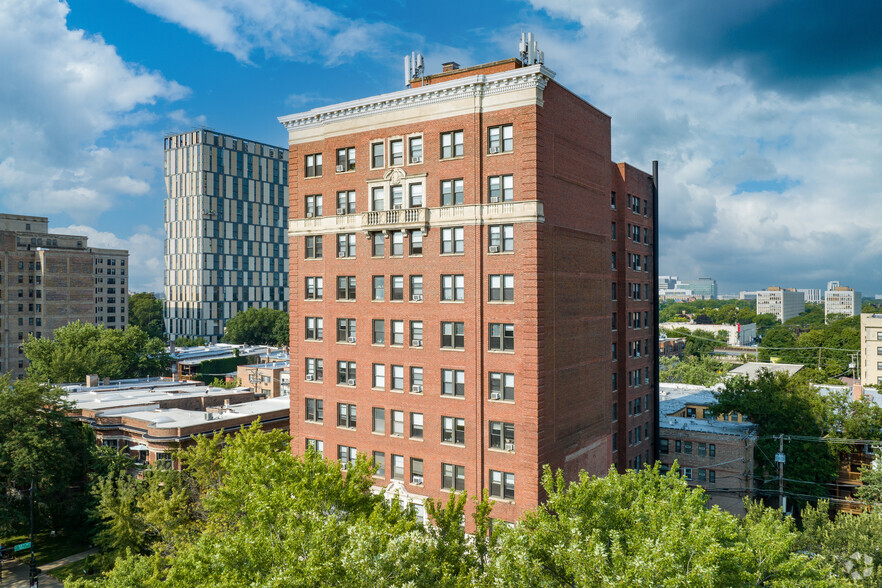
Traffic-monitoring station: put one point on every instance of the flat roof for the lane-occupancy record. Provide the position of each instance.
(116, 398)
(673, 398)
(173, 418)
(752, 368)
(707, 426)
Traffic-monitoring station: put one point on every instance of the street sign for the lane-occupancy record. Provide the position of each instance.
(22, 546)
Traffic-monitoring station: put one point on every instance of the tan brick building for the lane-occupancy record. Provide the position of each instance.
(48, 280)
(472, 285)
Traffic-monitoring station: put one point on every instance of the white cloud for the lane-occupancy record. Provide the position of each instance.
(297, 30)
(711, 130)
(145, 247)
(63, 92)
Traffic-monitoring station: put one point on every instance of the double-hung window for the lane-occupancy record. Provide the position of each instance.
(501, 188)
(453, 430)
(501, 287)
(346, 202)
(451, 144)
(377, 159)
(396, 152)
(452, 287)
(313, 249)
(502, 435)
(397, 243)
(345, 330)
(416, 288)
(501, 238)
(501, 386)
(345, 287)
(451, 192)
(346, 415)
(314, 410)
(416, 242)
(315, 368)
(397, 378)
(346, 373)
(452, 335)
(378, 198)
(397, 333)
(396, 285)
(452, 240)
(346, 455)
(397, 422)
(313, 165)
(502, 485)
(346, 245)
(313, 205)
(501, 337)
(416, 425)
(415, 149)
(345, 159)
(378, 288)
(378, 424)
(500, 139)
(416, 333)
(314, 288)
(379, 376)
(415, 195)
(452, 382)
(379, 332)
(314, 328)
(452, 477)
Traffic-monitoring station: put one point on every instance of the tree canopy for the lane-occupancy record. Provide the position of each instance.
(145, 312)
(80, 349)
(700, 371)
(258, 326)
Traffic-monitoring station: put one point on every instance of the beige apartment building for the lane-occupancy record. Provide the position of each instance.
(842, 300)
(784, 303)
(48, 280)
(871, 349)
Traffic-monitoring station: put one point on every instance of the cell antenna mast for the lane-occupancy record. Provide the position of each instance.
(529, 50)
(413, 67)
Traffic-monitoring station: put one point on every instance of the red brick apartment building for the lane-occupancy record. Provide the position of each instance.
(473, 286)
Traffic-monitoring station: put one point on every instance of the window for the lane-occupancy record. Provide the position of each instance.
(378, 288)
(502, 485)
(615, 354)
(313, 205)
(314, 287)
(452, 287)
(315, 368)
(313, 165)
(378, 244)
(453, 430)
(397, 423)
(416, 333)
(396, 152)
(416, 379)
(416, 288)
(379, 332)
(346, 455)
(451, 192)
(397, 467)
(397, 383)
(613, 262)
(314, 328)
(452, 335)
(346, 245)
(377, 155)
(451, 144)
(663, 446)
(416, 425)
(314, 410)
(416, 242)
(378, 198)
(397, 333)
(397, 198)
(346, 373)
(346, 159)
(712, 450)
(345, 330)
(501, 337)
(316, 445)
(415, 195)
(396, 288)
(346, 202)
(702, 449)
(416, 471)
(379, 420)
(501, 287)
(379, 376)
(687, 447)
(345, 287)
(678, 446)
(452, 477)
(415, 149)
(502, 435)
(379, 464)
(453, 383)
(313, 247)
(501, 238)
(712, 476)
(702, 475)
(500, 139)
(501, 188)
(452, 240)
(501, 386)
(346, 415)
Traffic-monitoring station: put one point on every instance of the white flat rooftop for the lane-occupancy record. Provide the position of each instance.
(173, 418)
(113, 398)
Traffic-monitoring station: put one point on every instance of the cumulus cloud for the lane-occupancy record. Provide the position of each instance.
(759, 185)
(63, 93)
(145, 247)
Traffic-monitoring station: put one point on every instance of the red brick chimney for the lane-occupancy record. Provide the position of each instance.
(857, 392)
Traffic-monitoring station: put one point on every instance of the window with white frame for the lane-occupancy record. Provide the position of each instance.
(379, 376)
(415, 149)
(378, 198)
(397, 333)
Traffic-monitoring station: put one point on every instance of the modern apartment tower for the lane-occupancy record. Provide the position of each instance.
(784, 303)
(842, 300)
(50, 280)
(226, 247)
(473, 286)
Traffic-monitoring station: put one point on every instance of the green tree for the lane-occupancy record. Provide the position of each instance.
(839, 539)
(190, 342)
(777, 342)
(700, 371)
(79, 349)
(145, 312)
(258, 326)
(39, 443)
(779, 404)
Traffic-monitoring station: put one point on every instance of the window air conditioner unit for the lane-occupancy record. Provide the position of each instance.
(494, 199)
(341, 211)
(416, 159)
(509, 446)
(417, 297)
(416, 343)
(494, 150)
(350, 382)
(495, 396)
(310, 378)
(494, 249)
(418, 480)
(309, 215)
(341, 168)
(396, 207)
(351, 339)
(416, 388)
(344, 466)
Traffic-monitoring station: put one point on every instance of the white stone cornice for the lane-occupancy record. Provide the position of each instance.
(532, 77)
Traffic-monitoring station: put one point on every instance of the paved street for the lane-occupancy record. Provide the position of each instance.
(15, 572)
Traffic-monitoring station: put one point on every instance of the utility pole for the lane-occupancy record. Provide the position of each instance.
(779, 459)
(33, 563)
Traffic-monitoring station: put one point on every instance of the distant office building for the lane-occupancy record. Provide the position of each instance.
(783, 303)
(667, 282)
(832, 285)
(871, 349)
(842, 300)
(702, 288)
(50, 280)
(812, 295)
(747, 295)
(226, 246)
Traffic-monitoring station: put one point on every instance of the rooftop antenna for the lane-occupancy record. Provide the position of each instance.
(528, 50)
(413, 67)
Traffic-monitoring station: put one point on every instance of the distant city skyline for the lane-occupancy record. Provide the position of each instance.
(767, 135)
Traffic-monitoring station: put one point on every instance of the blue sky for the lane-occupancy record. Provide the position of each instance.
(765, 115)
